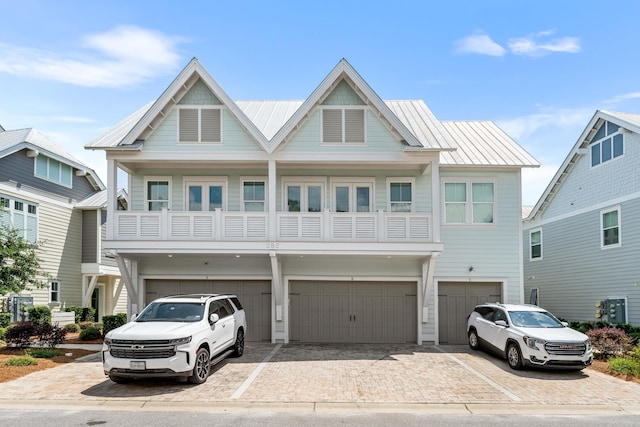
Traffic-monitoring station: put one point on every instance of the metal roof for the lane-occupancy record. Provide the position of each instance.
(417, 117)
(12, 141)
(483, 143)
(115, 134)
(269, 116)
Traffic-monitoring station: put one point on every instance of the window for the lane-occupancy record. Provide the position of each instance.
(254, 195)
(20, 215)
(304, 194)
(400, 196)
(158, 190)
(607, 144)
(53, 170)
(535, 242)
(200, 125)
(204, 194)
(54, 291)
(610, 225)
(343, 125)
(469, 202)
(352, 196)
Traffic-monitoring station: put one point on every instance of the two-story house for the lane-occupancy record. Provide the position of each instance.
(54, 200)
(338, 218)
(582, 238)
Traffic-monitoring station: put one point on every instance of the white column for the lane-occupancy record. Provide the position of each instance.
(112, 191)
(435, 200)
(272, 182)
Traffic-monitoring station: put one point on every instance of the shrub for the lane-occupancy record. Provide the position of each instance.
(50, 335)
(113, 322)
(85, 325)
(39, 314)
(3, 331)
(72, 328)
(20, 334)
(42, 353)
(609, 342)
(21, 361)
(90, 334)
(82, 314)
(625, 366)
(5, 320)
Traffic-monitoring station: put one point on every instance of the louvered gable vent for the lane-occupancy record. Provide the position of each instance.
(332, 125)
(211, 125)
(200, 125)
(343, 125)
(188, 124)
(354, 125)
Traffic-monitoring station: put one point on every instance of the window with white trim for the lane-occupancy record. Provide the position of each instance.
(607, 144)
(352, 196)
(157, 191)
(304, 194)
(401, 194)
(344, 125)
(610, 226)
(469, 202)
(54, 291)
(200, 124)
(20, 215)
(205, 194)
(254, 195)
(535, 244)
(53, 170)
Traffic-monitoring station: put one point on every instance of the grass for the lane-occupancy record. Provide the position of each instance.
(21, 361)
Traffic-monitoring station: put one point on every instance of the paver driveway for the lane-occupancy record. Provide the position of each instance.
(391, 374)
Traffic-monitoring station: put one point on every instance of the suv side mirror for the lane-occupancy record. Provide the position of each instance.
(213, 318)
(501, 323)
(565, 324)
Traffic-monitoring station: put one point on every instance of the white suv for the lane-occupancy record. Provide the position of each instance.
(527, 335)
(177, 336)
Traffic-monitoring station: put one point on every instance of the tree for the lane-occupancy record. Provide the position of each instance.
(19, 263)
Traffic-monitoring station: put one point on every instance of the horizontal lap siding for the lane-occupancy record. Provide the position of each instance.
(575, 272)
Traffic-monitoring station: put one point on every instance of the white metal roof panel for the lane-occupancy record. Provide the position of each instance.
(483, 143)
(417, 117)
(113, 136)
(269, 116)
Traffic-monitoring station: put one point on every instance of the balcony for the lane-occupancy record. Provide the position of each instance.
(289, 226)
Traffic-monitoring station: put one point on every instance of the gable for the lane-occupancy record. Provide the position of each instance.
(199, 94)
(343, 94)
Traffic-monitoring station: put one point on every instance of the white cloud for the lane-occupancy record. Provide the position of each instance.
(123, 56)
(480, 44)
(533, 46)
(520, 127)
(619, 98)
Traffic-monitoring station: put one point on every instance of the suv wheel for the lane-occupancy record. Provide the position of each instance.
(514, 357)
(201, 370)
(238, 347)
(473, 339)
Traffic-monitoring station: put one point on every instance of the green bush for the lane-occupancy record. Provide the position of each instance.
(42, 353)
(72, 328)
(90, 334)
(112, 322)
(21, 361)
(85, 325)
(625, 366)
(609, 342)
(5, 320)
(82, 314)
(3, 331)
(19, 334)
(39, 314)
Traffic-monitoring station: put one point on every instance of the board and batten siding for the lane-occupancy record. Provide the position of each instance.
(89, 236)
(492, 250)
(19, 168)
(587, 186)
(575, 272)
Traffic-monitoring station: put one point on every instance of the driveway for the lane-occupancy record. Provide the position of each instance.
(310, 376)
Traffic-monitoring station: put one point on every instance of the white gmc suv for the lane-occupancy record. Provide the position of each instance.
(178, 336)
(527, 335)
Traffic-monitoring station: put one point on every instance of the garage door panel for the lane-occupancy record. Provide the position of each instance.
(357, 312)
(456, 301)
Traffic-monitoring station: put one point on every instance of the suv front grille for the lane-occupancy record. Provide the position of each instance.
(566, 348)
(150, 349)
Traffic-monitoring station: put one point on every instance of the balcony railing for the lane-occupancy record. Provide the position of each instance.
(290, 226)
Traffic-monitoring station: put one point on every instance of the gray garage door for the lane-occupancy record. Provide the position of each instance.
(353, 312)
(255, 296)
(456, 301)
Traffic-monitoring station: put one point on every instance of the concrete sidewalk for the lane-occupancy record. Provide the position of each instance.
(306, 378)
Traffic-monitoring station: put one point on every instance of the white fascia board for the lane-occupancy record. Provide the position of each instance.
(316, 157)
(191, 156)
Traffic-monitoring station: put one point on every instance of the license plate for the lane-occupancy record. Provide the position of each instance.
(140, 366)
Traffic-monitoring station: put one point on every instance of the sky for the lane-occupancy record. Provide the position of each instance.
(538, 69)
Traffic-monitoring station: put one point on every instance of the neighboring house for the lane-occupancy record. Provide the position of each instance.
(340, 218)
(54, 199)
(582, 238)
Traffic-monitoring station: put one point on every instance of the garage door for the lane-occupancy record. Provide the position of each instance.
(353, 312)
(456, 301)
(255, 296)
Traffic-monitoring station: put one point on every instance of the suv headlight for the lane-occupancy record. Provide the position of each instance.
(180, 341)
(587, 345)
(107, 340)
(531, 342)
